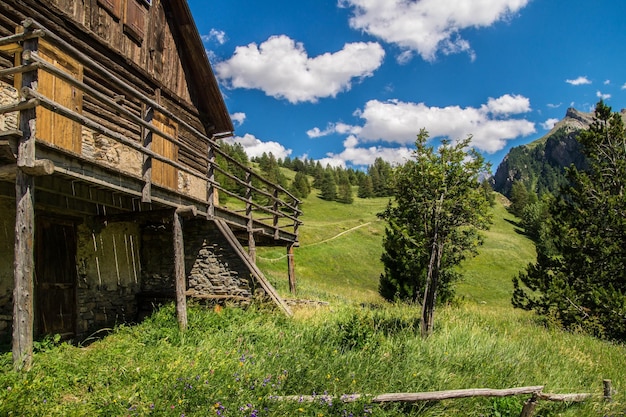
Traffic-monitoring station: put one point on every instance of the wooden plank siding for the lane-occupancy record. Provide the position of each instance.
(164, 174)
(53, 128)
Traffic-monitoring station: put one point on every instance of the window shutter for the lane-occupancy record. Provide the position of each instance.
(135, 20)
(114, 7)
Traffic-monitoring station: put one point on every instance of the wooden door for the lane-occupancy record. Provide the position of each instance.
(55, 277)
(164, 174)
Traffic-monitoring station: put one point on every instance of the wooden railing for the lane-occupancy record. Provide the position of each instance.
(112, 108)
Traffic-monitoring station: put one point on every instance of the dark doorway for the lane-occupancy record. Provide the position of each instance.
(55, 277)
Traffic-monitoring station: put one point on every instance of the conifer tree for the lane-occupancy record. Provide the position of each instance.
(579, 279)
(434, 222)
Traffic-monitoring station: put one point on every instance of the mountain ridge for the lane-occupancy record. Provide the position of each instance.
(540, 164)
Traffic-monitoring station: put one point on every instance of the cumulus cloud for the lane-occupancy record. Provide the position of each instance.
(398, 122)
(428, 27)
(602, 96)
(508, 104)
(340, 128)
(365, 155)
(282, 68)
(255, 147)
(549, 124)
(218, 36)
(579, 81)
(238, 118)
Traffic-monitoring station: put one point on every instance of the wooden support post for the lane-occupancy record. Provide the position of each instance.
(179, 270)
(250, 225)
(146, 193)
(291, 267)
(211, 190)
(608, 390)
(275, 208)
(529, 406)
(24, 261)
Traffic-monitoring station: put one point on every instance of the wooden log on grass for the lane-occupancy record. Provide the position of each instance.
(420, 396)
(452, 394)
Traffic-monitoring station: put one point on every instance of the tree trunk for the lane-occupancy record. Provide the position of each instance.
(430, 292)
(432, 279)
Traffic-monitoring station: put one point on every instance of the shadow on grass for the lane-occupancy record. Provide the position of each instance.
(518, 227)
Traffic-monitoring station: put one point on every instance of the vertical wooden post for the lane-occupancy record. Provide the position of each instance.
(275, 208)
(608, 390)
(529, 406)
(24, 261)
(146, 193)
(291, 267)
(211, 191)
(179, 271)
(250, 225)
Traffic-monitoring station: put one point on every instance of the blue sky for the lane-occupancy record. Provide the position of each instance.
(346, 81)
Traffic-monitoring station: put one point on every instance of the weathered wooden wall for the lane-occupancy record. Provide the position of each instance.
(152, 65)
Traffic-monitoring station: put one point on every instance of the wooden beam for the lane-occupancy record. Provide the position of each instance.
(24, 261)
(40, 167)
(461, 393)
(291, 270)
(24, 271)
(179, 271)
(254, 270)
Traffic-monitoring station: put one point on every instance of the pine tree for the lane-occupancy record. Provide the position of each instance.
(300, 186)
(328, 187)
(579, 279)
(366, 190)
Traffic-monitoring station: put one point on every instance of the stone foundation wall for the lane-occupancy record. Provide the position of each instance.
(121, 265)
(211, 265)
(8, 95)
(109, 272)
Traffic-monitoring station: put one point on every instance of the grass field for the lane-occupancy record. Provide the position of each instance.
(235, 362)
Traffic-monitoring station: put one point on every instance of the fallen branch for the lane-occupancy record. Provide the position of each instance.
(451, 394)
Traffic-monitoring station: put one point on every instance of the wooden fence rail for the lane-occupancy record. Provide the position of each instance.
(536, 393)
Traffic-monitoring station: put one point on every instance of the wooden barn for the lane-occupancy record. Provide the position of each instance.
(111, 172)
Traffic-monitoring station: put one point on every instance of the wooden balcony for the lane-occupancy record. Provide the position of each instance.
(98, 145)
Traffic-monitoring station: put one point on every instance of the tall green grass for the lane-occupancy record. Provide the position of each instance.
(235, 362)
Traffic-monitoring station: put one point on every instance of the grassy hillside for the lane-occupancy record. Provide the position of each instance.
(339, 257)
(235, 362)
(339, 253)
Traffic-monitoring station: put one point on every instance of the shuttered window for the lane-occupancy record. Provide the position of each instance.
(52, 127)
(114, 7)
(135, 20)
(162, 173)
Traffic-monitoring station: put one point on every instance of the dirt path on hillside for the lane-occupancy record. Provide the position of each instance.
(320, 242)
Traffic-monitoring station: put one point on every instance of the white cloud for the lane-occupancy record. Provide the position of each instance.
(549, 124)
(282, 68)
(428, 27)
(579, 81)
(255, 147)
(365, 156)
(340, 128)
(602, 96)
(554, 106)
(218, 36)
(394, 121)
(508, 104)
(607, 82)
(238, 118)
(624, 87)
